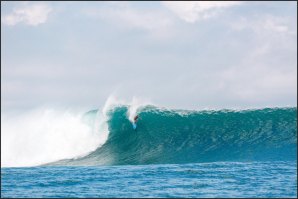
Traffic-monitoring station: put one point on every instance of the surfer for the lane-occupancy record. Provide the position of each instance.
(135, 118)
(134, 124)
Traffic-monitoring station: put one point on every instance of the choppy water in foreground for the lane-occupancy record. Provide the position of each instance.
(218, 179)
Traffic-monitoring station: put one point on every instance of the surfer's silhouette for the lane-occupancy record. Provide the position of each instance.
(135, 118)
(134, 124)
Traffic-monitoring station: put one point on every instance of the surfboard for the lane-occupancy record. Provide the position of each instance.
(134, 126)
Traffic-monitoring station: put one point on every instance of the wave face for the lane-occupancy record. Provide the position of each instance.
(175, 136)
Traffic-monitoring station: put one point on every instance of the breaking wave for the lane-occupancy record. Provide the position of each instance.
(180, 136)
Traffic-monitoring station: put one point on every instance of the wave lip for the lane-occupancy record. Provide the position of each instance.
(176, 136)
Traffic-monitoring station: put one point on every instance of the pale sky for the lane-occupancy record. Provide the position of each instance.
(189, 55)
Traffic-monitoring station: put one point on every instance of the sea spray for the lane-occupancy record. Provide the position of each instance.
(135, 105)
(44, 135)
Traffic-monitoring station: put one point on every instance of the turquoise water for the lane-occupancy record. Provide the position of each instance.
(175, 136)
(174, 153)
(218, 179)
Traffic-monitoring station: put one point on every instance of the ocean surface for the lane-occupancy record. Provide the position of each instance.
(172, 153)
(217, 179)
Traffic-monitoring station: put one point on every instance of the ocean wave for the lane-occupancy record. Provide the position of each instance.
(178, 136)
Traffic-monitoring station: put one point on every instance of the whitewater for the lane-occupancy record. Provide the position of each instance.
(44, 135)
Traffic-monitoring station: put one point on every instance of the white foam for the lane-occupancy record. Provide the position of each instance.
(45, 135)
(135, 105)
(101, 124)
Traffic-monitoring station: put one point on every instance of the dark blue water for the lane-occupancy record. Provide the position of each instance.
(218, 179)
